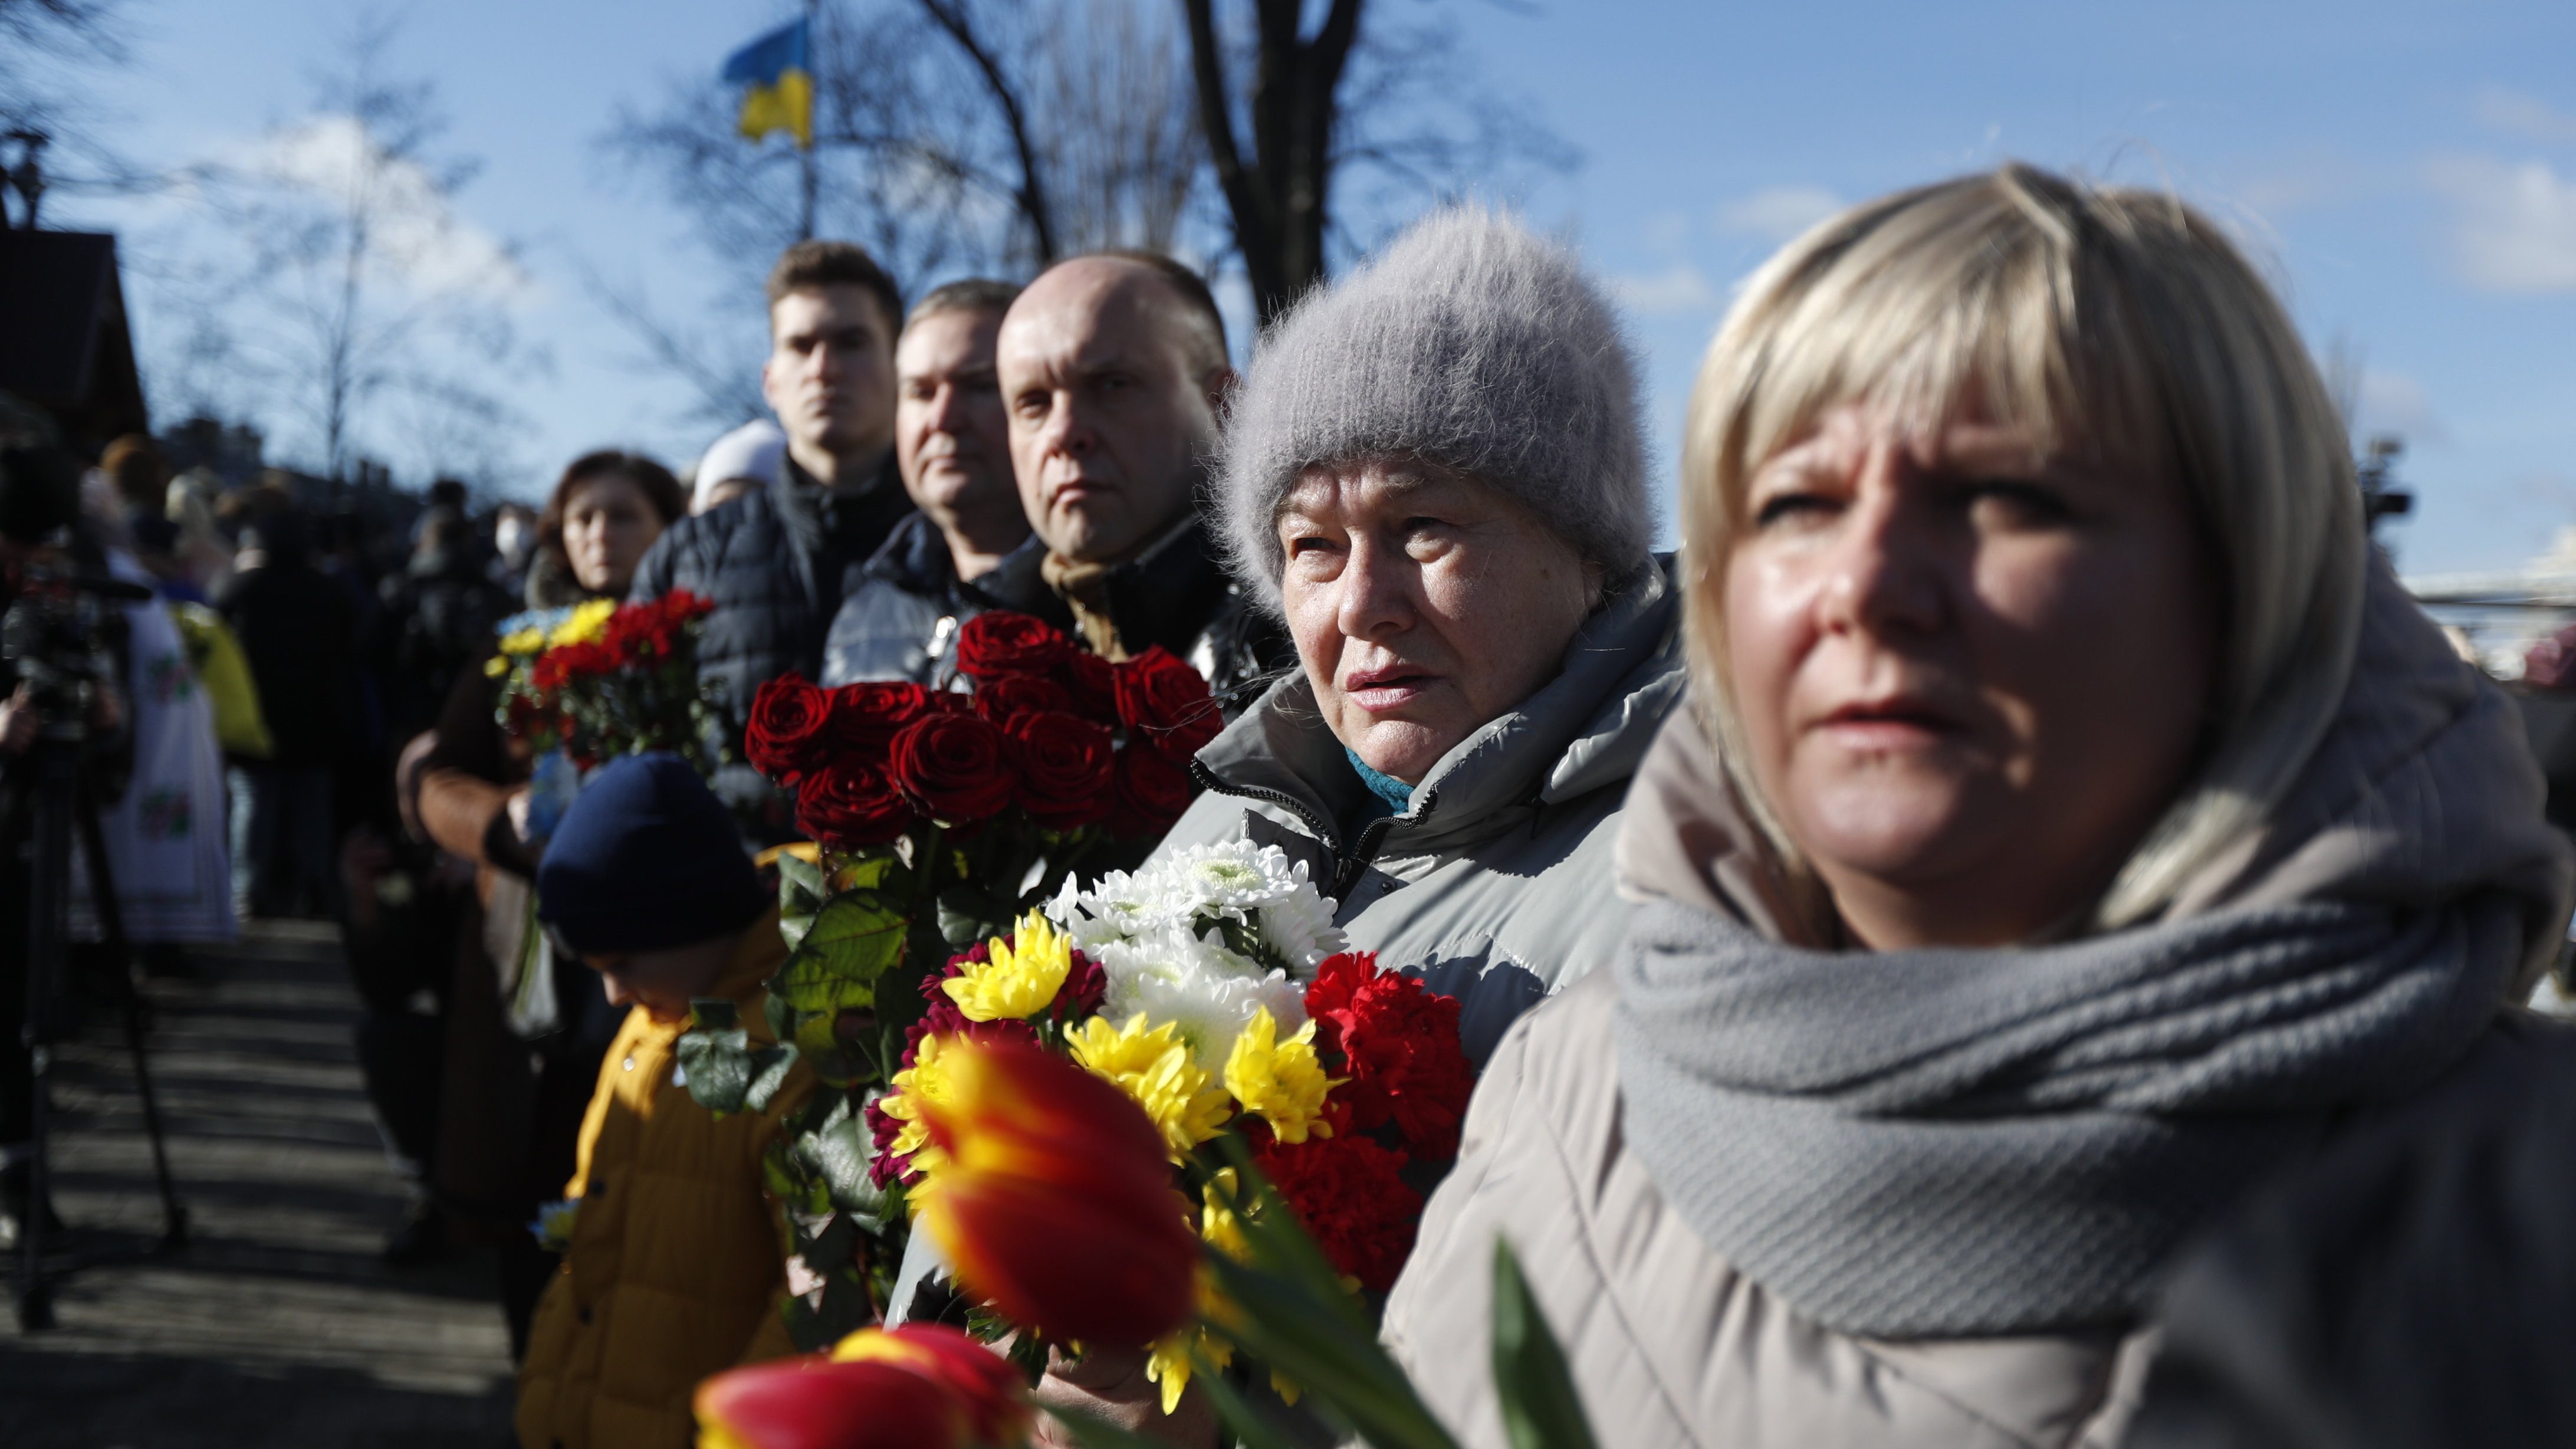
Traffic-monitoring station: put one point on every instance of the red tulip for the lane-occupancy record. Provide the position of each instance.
(813, 1403)
(1055, 1204)
(995, 1397)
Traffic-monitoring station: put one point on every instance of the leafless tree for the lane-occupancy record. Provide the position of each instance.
(44, 44)
(1292, 115)
(357, 294)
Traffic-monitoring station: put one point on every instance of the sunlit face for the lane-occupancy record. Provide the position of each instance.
(608, 523)
(1968, 677)
(1423, 605)
(952, 442)
(1107, 417)
(830, 374)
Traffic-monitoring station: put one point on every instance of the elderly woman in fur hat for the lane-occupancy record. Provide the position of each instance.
(1434, 474)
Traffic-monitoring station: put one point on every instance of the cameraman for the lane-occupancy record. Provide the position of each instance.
(39, 511)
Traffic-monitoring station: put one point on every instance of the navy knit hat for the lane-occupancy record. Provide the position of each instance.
(646, 858)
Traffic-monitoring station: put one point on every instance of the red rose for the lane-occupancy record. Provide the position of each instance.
(1166, 703)
(1093, 683)
(1347, 1194)
(785, 736)
(1066, 763)
(1153, 790)
(848, 806)
(1398, 1046)
(995, 645)
(955, 767)
(1013, 695)
(867, 717)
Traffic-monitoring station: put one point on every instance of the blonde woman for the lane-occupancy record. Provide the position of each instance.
(2076, 824)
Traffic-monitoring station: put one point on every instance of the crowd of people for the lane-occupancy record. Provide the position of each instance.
(1943, 953)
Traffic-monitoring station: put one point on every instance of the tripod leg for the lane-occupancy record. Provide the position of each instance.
(49, 931)
(111, 920)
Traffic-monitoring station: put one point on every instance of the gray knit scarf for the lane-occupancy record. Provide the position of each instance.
(1944, 1143)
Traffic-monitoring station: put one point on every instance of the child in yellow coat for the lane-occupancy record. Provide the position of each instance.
(676, 1256)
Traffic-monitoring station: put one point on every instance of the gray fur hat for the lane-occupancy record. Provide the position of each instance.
(1469, 343)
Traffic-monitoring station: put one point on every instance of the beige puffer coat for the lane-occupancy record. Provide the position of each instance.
(2422, 791)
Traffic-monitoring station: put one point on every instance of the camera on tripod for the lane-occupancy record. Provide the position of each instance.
(54, 637)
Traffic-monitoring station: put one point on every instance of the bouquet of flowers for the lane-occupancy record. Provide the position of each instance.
(937, 817)
(602, 679)
(1051, 1192)
(1213, 991)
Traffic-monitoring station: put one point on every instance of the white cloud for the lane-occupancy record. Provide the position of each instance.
(1777, 213)
(1678, 290)
(2393, 402)
(2513, 226)
(2527, 117)
(420, 237)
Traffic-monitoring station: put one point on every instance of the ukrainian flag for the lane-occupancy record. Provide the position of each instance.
(780, 94)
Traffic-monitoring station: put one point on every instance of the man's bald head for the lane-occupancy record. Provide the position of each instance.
(1113, 369)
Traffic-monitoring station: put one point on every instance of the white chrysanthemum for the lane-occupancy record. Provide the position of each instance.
(1209, 1012)
(1300, 926)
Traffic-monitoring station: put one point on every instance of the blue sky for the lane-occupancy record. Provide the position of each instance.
(2406, 172)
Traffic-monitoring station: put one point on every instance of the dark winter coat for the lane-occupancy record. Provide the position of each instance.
(901, 621)
(1177, 595)
(776, 563)
(298, 630)
(438, 618)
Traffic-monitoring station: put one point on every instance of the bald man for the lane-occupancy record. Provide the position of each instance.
(1113, 374)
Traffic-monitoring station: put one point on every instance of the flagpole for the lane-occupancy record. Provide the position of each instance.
(805, 225)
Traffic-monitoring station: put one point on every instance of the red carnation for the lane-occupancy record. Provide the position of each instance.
(1066, 763)
(999, 644)
(848, 806)
(785, 736)
(1398, 1045)
(1013, 695)
(1152, 791)
(1166, 703)
(955, 767)
(1347, 1192)
(867, 717)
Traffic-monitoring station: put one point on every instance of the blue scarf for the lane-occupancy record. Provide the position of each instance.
(1397, 795)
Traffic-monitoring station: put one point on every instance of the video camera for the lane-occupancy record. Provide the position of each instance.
(53, 638)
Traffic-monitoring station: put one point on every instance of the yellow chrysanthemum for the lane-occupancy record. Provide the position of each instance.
(585, 623)
(1154, 1067)
(522, 642)
(924, 1081)
(1283, 1081)
(1021, 978)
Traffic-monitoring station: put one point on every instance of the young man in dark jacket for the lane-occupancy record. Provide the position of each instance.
(1113, 372)
(777, 562)
(968, 549)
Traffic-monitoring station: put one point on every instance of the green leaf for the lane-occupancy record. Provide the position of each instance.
(839, 1152)
(1542, 1409)
(769, 1068)
(780, 1015)
(800, 895)
(967, 916)
(713, 1013)
(855, 938)
(718, 1066)
(833, 1248)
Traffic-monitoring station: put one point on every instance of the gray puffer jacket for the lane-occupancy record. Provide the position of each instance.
(1496, 883)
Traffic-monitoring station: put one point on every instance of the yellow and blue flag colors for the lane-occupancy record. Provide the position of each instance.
(780, 94)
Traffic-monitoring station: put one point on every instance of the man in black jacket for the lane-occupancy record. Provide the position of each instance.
(777, 562)
(968, 549)
(1113, 372)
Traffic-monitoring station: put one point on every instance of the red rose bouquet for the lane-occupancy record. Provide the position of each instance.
(603, 679)
(936, 818)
